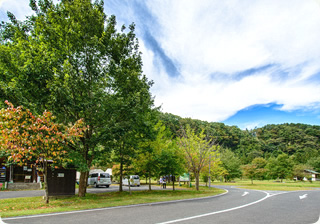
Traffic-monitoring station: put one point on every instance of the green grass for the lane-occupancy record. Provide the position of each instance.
(286, 185)
(35, 205)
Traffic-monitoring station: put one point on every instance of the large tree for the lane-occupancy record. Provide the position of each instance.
(70, 58)
(159, 155)
(147, 161)
(280, 167)
(231, 163)
(172, 161)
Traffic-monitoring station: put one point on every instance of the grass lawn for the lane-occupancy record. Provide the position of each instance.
(286, 185)
(35, 205)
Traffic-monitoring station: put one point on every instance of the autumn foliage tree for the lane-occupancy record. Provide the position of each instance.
(36, 138)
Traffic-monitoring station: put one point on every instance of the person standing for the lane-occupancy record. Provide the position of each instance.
(164, 183)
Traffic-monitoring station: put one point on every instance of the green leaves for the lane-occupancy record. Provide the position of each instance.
(198, 149)
(231, 163)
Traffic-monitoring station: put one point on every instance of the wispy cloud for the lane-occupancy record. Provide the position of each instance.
(235, 54)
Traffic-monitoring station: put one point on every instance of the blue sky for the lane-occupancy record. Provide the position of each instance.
(244, 63)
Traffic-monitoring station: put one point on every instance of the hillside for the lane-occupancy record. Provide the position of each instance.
(301, 141)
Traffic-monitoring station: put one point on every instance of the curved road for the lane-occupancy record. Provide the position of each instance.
(236, 206)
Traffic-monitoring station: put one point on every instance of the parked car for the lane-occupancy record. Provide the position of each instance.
(99, 179)
(134, 180)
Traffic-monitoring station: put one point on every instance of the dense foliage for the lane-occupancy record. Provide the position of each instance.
(70, 58)
(288, 144)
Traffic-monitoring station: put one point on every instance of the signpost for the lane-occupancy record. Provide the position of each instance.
(184, 178)
(2, 174)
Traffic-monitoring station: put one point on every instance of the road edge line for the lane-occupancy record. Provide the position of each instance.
(111, 208)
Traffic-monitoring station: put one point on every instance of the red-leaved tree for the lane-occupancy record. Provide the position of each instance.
(27, 138)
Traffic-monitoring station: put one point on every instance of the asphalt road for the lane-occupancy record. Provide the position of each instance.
(237, 206)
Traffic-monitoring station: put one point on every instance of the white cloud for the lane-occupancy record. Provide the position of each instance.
(2, 2)
(207, 37)
(216, 101)
(233, 36)
(20, 8)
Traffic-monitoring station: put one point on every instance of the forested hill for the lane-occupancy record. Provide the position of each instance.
(302, 141)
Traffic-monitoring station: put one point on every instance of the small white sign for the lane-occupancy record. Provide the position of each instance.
(60, 174)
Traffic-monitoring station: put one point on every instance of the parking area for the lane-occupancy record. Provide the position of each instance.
(115, 187)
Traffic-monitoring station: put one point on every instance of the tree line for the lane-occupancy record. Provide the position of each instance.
(273, 151)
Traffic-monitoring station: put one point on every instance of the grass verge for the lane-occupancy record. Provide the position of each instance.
(286, 185)
(35, 205)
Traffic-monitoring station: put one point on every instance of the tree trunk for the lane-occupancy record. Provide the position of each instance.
(45, 173)
(83, 183)
(121, 170)
(173, 183)
(149, 182)
(197, 180)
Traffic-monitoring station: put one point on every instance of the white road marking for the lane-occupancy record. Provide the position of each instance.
(217, 212)
(245, 193)
(1, 222)
(303, 196)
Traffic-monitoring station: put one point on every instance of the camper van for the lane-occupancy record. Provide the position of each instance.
(134, 180)
(99, 179)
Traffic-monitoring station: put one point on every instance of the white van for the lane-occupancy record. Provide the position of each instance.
(99, 179)
(134, 181)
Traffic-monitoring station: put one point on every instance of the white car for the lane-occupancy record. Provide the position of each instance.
(99, 179)
(134, 180)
